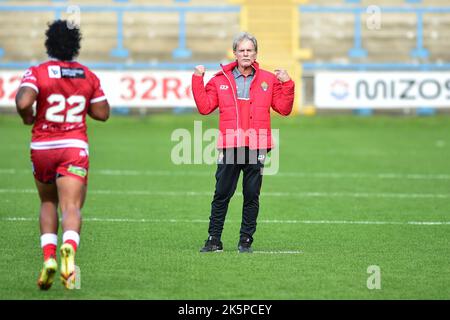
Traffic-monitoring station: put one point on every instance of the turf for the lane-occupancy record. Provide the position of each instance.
(351, 192)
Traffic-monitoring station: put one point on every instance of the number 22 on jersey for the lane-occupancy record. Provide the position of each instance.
(72, 115)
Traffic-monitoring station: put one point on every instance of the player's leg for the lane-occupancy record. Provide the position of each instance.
(48, 220)
(72, 185)
(71, 193)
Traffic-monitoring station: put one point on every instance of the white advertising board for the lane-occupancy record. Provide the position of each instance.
(125, 88)
(382, 89)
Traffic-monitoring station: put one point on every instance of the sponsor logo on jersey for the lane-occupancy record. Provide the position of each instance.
(223, 87)
(28, 73)
(29, 78)
(79, 171)
(83, 153)
(73, 73)
(54, 72)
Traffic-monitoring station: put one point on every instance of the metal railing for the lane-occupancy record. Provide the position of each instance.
(121, 7)
(358, 51)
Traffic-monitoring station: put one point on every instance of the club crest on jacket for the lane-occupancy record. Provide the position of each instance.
(264, 86)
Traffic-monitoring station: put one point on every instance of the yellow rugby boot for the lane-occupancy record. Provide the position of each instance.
(68, 266)
(47, 274)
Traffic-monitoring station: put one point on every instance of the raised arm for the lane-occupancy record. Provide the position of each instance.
(205, 97)
(283, 93)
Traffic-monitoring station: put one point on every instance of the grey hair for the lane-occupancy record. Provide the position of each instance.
(244, 36)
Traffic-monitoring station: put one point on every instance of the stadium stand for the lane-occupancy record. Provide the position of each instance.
(331, 41)
(344, 35)
(303, 36)
(148, 35)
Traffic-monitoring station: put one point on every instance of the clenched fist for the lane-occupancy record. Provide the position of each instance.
(199, 70)
(282, 75)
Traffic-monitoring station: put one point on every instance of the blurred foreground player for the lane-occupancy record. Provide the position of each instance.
(64, 92)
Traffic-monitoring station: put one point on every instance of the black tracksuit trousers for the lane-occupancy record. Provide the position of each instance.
(229, 166)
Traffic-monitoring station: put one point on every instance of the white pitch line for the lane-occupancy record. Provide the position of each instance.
(12, 171)
(126, 220)
(267, 194)
(318, 175)
(279, 252)
(326, 175)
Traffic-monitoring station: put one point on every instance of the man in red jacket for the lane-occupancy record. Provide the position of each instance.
(244, 94)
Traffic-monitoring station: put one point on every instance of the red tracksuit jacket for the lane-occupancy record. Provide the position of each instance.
(266, 91)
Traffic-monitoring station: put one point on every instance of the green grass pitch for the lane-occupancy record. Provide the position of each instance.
(351, 193)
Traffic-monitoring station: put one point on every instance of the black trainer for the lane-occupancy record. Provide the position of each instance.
(245, 245)
(213, 244)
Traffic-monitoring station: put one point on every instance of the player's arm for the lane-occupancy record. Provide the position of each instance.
(25, 99)
(99, 106)
(99, 110)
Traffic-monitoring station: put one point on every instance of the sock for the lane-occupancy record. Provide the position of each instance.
(49, 242)
(73, 238)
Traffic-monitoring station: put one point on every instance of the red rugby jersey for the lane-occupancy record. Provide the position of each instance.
(66, 89)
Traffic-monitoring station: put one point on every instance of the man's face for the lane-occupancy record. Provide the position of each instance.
(245, 53)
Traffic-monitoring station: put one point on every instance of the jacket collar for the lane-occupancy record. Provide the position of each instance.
(230, 66)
